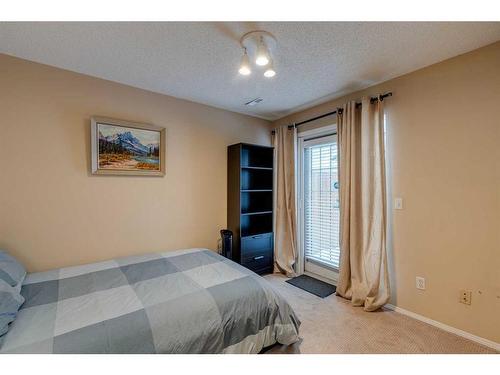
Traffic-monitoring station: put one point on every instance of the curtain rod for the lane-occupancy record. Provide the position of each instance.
(372, 100)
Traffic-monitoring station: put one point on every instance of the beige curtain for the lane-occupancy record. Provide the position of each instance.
(285, 245)
(363, 276)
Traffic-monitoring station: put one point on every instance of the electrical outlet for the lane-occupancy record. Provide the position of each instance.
(465, 297)
(420, 283)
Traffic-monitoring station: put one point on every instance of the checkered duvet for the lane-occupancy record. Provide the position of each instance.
(188, 301)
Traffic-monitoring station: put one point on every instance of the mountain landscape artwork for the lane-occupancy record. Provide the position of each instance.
(126, 149)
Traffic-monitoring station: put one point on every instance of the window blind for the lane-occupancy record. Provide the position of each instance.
(321, 204)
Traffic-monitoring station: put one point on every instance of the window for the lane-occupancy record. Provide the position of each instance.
(321, 202)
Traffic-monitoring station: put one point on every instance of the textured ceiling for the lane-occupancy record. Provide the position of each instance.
(315, 62)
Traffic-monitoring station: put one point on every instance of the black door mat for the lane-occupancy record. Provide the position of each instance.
(314, 286)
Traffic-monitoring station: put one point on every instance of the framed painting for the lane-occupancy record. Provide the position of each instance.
(126, 148)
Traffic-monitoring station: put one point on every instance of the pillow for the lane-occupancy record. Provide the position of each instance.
(10, 302)
(11, 271)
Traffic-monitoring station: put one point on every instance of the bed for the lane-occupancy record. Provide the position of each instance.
(187, 301)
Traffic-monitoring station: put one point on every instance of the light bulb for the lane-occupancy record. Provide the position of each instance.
(245, 65)
(270, 72)
(262, 54)
(244, 70)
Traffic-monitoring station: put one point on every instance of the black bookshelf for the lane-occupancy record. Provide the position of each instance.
(250, 205)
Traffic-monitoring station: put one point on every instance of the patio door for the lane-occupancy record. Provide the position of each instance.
(319, 206)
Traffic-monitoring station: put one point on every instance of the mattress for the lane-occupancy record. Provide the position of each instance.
(187, 301)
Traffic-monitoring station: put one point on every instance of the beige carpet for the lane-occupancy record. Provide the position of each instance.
(332, 325)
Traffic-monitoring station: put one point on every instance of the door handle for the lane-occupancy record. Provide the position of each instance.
(259, 257)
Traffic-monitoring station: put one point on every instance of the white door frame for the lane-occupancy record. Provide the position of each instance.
(301, 138)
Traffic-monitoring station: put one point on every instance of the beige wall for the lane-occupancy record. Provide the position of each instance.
(443, 126)
(54, 213)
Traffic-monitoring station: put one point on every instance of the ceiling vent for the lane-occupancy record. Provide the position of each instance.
(253, 102)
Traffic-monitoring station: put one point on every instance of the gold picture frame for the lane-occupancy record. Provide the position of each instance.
(121, 147)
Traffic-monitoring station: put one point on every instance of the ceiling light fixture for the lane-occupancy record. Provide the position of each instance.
(245, 64)
(270, 72)
(260, 44)
(262, 58)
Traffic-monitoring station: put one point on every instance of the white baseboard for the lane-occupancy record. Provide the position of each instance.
(444, 327)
